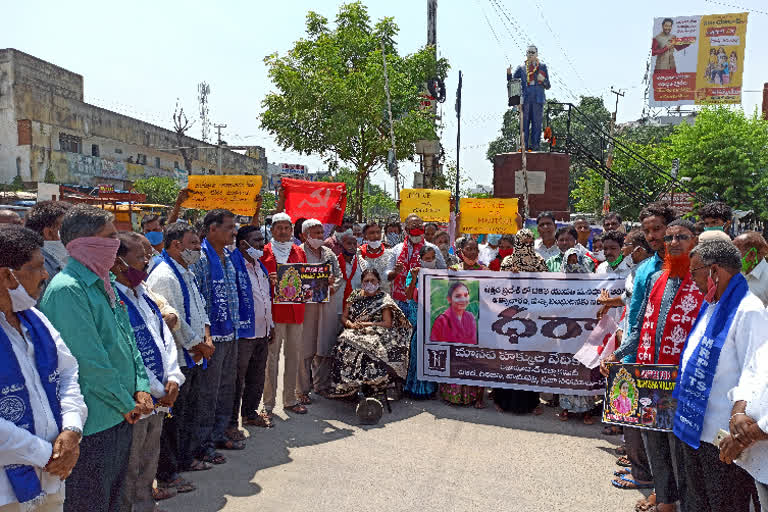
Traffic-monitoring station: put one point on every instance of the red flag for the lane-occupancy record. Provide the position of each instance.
(325, 202)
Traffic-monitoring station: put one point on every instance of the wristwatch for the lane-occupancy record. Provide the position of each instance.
(77, 431)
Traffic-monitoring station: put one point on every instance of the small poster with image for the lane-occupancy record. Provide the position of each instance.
(640, 396)
(302, 283)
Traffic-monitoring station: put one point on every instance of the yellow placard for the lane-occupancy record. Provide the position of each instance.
(488, 216)
(230, 192)
(430, 205)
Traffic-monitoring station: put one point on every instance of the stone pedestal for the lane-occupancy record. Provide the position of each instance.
(548, 175)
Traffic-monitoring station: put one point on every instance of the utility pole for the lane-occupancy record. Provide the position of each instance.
(458, 141)
(218, 130)
(609, 162)
(430, 149)
(524, 162)
(392, 156)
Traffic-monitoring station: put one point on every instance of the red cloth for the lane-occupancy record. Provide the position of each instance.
(325, 202)
(495, 264)
(285, 313)
(347, 278)
(367, 253)
(448, 327)
(678, 323)
(398, 285)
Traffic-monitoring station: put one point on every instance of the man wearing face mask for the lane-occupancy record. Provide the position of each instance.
(226, 288)
(716, 378)
(45, 219)
(334, 241)
(82, 305)
(373, 254)
(158, 351)
(489, 251)
(754, 249)
(393, 234)
(668, 316)
(405, 256)
(288, 318)
(321, 323)
(253, 352)
(716, 216)
(44, 411)
(175, 282)
(151, 228)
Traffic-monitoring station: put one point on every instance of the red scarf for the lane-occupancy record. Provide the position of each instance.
(370, 255)
(398, 285)
(682, 314)
(531, 70)
(348, 279)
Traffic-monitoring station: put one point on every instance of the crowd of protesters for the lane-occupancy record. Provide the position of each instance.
(132, 358)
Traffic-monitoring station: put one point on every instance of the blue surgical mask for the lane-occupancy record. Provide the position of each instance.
(154, 237)
(714, 228)
(494, 239)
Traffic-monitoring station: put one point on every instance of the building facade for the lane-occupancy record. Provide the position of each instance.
(48, 133)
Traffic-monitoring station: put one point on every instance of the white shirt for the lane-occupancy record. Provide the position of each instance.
(758, 281)
(163, 339)
(396, 250)
(622, 269)
(543, 251)
(487, 254)
(755, 458)
(380, 264)
(18, 445)
(734, 379)
(163, 281)
(262, 301)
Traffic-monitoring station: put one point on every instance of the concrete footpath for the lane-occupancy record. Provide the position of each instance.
(425, 456)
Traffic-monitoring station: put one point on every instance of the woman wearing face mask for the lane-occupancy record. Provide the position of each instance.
(374, 343)
(415, 388)
(373, 254)
(443, 242)
(468, 254)
(393, 234)
(506, 248)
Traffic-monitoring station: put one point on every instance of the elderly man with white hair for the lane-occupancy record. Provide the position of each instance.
(288, 319)
(321, 324)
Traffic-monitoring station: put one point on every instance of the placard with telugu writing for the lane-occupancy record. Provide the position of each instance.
(302, 283)
(236, 193)
(640, 395)
(430, 205)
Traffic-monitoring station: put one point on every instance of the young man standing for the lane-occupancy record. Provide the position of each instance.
(546, 246)
(45, 219)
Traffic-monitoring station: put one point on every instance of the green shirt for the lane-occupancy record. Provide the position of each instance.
(555, 263)
(100, 337)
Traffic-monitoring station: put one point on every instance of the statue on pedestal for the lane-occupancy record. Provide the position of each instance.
(534, 80)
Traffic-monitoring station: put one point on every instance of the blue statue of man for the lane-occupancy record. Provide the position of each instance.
(534, 79)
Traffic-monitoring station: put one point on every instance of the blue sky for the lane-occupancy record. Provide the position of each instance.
(137, 58)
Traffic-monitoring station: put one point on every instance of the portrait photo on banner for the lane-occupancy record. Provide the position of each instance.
(455, 310)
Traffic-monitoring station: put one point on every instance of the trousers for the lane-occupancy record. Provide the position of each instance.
(249, 385)
(142, 465)
(96, 483)
(217, 393)
(532, 117)
(659, 446)
(636, 454)
(180, 437)
(287, 336)
(52, 503)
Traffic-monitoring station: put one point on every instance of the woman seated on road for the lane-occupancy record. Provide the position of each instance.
(374, 344)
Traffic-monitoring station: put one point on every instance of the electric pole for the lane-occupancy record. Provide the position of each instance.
(609, 161)
(392, 156)
(218, 130)
(430, 149)
(458, 140)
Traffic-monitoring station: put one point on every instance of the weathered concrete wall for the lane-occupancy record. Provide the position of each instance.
(14, 159)
(51, 97)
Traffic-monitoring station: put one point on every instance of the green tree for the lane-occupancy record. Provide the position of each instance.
(376, 202)
(159, 189)
(331, 99)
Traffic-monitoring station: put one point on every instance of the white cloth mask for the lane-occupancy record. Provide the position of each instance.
(282, 250)
(429, 264)
(254, 253)
(20, 299)
(415, 239)
(190, 256)
(315, 243)
(374, 245)
(370, 288)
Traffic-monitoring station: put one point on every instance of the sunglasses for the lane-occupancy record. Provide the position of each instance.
(679, 238)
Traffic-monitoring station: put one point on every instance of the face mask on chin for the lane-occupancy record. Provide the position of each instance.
(375, 245)
(134, 276)
(20, 299)
(254, 253)
(314, 243)
(711, 288)
(370, 288)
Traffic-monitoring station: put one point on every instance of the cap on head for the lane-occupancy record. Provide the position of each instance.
(281, 217)
(309, 224)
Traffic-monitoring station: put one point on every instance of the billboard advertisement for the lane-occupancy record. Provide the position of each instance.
(697, 60)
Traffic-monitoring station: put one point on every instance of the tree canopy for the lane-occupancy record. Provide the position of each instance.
(159, 189)
(376, 201)
(330, 95)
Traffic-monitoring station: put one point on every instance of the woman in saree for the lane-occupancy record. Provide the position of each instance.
(415, 388)
(374, 343)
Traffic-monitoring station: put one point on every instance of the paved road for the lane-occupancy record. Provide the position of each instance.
(425, 456)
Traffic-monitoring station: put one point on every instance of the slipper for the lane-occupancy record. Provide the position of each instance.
(199, 465)
(180, 485)
(230, 445)
(259, 421)
(622, 472)
(215, 458)
(588, 419)
(235, 434)
(304, 399)
(612, 430)
(623, 461)
(563, 416)
(633, 484)
(298, 409)
(163, 493)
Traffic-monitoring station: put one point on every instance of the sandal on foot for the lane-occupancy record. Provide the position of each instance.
(646, 504)
(215, 458)
(563, 416)
(259, 421)
(538, 411)
(235, 434)
(199, 465)
(627, 483)
(480, 404)
(179, 485)
(612, 430)
(588, 419)
(230, 445)
(623, 461)
(304, 399)
(298, 409)
(163, 493)
(622, 472)
(621, 450)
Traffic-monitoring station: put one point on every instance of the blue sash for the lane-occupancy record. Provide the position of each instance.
(15, 405)
(145, 342)
(187, 309)
(246, 327)
(221, 320)
(694, 382)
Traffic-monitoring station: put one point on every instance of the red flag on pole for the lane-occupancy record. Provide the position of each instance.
(325, 202)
